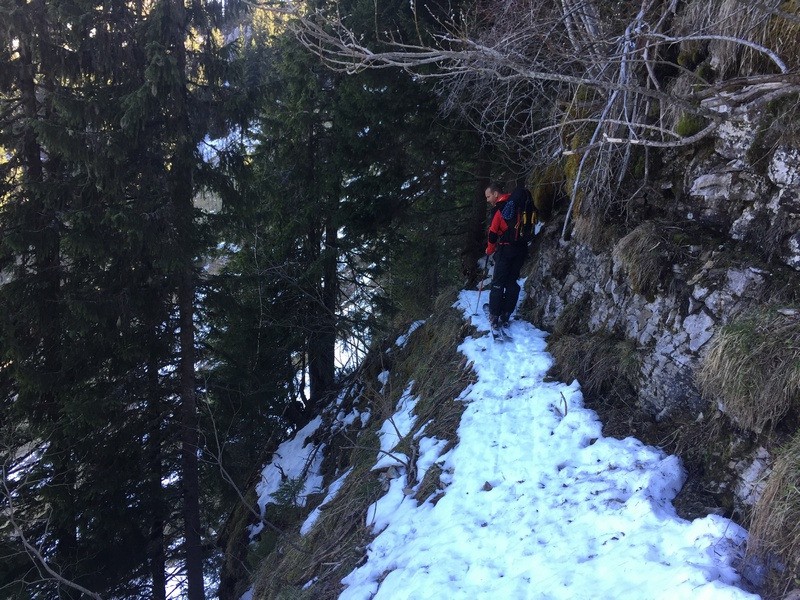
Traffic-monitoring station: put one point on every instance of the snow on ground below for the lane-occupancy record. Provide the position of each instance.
(539, 504)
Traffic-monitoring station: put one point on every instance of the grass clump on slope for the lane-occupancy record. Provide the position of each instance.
(775, 527)
(753, 368)
(337, 542)
(647, 254)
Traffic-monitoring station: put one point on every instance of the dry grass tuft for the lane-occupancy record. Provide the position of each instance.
(334, 546)
(775, 527)
(756, 22)
(604, 364)
(647, 254)
(592, 229)
(572, 320)
(753, 368)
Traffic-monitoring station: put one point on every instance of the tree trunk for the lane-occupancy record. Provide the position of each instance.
(182, 190)
(475, 242)
(46, 280)
(190, 440)
(155, 550)
(322, 339)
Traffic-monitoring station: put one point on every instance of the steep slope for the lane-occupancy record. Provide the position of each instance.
(520, 497)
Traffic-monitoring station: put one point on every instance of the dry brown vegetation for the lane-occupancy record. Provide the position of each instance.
(337, 542)
(587, 80)
(647, 254)
(606, 365)
(594, 231)
(775, 527)
(722, 24)
(753, 367)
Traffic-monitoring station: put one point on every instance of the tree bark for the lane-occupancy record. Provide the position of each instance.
(155, 550)
(322, 338)
(182, 190)
(190, 440)
(475, 241)
(46, 280)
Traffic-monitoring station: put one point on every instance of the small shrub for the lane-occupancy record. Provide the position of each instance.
(289, 491)
(753, 368)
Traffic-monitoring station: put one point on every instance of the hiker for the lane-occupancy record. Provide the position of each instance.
(509, 233)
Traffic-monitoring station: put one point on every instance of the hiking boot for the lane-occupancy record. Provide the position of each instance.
(505, 329)
(494, 325)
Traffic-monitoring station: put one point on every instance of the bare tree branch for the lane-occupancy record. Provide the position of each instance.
(33, 552)
(513, 68)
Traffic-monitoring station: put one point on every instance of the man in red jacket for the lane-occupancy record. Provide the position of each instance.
(509, 233)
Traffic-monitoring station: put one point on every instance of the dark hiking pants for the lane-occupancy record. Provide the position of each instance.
(505, 289)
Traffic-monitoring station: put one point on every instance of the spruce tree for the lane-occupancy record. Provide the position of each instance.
(102, 237)
(60, 301)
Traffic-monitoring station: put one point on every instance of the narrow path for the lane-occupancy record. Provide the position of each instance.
(540, 505)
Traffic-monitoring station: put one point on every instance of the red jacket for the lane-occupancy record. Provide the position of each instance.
(498, 226)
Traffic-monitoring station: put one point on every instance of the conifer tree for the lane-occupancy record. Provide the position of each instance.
(351, 178)
(59, 322)
(98, 181)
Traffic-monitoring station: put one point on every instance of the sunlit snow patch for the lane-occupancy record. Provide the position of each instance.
(539, 504)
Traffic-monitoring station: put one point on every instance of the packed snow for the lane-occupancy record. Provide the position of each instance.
(537, 502)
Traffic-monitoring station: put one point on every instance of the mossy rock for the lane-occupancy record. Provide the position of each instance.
(689, 124)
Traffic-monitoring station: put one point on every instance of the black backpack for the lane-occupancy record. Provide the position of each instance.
(520, 216)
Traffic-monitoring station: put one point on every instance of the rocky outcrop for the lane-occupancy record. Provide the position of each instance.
(731, 242)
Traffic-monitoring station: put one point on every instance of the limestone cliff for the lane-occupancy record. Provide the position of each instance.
(710, 241)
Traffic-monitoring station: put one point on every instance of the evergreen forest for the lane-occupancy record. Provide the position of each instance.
(211, 211)
(202, 230)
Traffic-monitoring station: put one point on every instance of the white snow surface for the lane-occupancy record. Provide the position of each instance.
(538, 504)
(293, 459)
(403, 339)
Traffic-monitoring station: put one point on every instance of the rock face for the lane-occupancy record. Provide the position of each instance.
(736, 230)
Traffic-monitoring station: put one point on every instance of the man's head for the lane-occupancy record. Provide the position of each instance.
(493, 191)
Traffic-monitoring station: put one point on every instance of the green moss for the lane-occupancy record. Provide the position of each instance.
(705, 71)
(546, 186)
(689, 124)
(689, 58)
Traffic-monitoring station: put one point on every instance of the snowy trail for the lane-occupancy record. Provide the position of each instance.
(540, 505)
